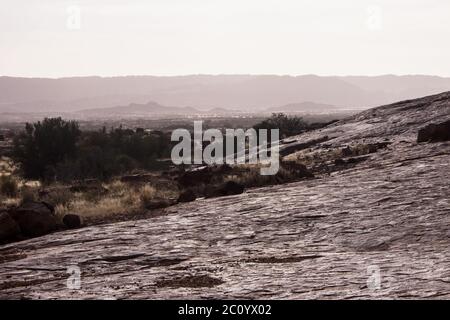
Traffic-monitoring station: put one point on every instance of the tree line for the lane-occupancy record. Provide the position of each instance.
(57, 150)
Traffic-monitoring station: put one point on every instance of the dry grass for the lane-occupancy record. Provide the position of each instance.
(250, 176)
(59, 196)
(120, 199)
(8, 202)
(117, 198)
(147, 194)
(6, 166)
(103, 208)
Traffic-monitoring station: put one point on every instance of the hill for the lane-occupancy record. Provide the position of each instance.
(137, 110)
(249, 92)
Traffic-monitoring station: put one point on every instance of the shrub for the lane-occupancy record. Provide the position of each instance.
(44, 144)
(28, 195)
(147, 194)
(288, 126)
(8, 186)
(61, 196)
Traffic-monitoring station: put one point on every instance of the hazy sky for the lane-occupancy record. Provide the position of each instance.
(55, 38)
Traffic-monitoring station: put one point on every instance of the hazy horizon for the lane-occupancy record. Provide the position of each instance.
(205, 92)
(225, 74)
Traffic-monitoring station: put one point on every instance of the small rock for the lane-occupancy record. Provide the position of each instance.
(434, 132)
(156, 204)
(8, 227)
(187, 196)
(203, 175)
(227, 189)
(72, 221)
(346, 152)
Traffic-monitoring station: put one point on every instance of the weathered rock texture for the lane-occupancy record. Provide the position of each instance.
(323, 238)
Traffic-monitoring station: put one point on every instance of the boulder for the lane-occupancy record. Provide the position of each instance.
(72, 221)
(374, 147)
(8, 227)
(435, 132)
(227, 189)
(195, 177)
(157, 204)
(35, 218)
(203, 175)
(298, 169)
(187, 196)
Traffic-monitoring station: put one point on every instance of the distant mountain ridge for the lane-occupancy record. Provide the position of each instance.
(134, 109)
(306, 106)
(205, 92)
(153, 108)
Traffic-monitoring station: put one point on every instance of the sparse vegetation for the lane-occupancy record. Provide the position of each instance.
(147, 194)
(288, 125)
(58, 196)
(8, 186)
(250, 176)
(45, 144)
(56, 150)
(97, 174)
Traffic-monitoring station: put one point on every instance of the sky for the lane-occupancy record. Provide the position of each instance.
(59, 38)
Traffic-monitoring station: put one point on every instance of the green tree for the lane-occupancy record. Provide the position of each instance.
(45, 144)
(288, 126)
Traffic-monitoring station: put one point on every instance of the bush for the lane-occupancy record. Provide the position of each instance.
(44, 144)
(288, 126)
(61, 197)
(28, 195)
(56, 150)
(8, 186)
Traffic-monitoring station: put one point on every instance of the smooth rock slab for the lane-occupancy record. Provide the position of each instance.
(329, 238)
